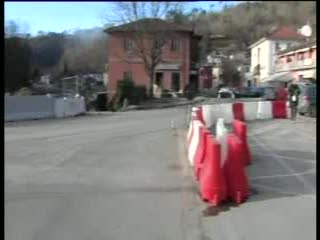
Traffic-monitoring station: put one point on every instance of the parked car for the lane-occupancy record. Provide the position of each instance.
(307, 99)
(269, 93)
(226, 93)
(251, 92)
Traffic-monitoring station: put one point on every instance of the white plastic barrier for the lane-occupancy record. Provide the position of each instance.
(66, 107)
(221, 135)
(194, 109)
(215, 113)
(28, 107)
(250, 110)
(207, 116)
(194, 141)
(264, 110)
(226, 112)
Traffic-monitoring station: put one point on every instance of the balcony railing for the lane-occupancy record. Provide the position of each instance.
(295, 65)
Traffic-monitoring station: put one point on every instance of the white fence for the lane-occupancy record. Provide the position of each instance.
(40, 107)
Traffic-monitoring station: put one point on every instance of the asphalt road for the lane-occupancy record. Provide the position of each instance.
(283, 181)
(126, 176)
(100, 177)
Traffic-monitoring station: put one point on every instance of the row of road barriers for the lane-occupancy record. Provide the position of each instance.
(219, 161)
(244, 111)
(42, 107)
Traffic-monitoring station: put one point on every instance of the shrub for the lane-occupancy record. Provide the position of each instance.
(139, 95)
(126, 89)
(190, 92)
(166, 94)
(101, 102)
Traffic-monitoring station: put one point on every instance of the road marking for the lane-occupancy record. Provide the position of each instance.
(313, 170)
(284, 164)
(280, 191)
(289, 158)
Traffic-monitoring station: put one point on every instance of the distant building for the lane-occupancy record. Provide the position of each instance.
(224, 49)
(178, 55)
(298, 63)
(263, 52)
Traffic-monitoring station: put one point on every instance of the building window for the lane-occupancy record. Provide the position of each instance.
(128, 45)
(175, 45)
(159, 43)
(127, 75)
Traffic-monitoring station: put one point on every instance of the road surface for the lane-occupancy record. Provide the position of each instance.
(126, 176)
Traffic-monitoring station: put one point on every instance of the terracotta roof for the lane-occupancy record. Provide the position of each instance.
(281, 32)
(284, 33)
(150, 25)
(297, 47)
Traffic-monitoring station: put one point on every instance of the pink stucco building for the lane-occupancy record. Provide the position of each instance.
(178, 54)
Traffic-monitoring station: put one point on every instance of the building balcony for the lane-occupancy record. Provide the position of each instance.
(296, 65)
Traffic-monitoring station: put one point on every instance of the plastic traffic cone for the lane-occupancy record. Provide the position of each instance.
(212, 182)
(234, 171)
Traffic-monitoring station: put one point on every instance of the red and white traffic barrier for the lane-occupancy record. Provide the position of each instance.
(240, 130)
(212, 182)
(219, 162)
(238, 111)
(250, 110)
(221, 134)
(279, 109)
(264, 110)
(194, 141)
(226, 111)
(207, 116)
(234, 171)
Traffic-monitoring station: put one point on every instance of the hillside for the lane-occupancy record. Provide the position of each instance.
(249, 21)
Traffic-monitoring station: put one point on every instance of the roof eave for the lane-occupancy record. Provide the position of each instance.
(258, 42)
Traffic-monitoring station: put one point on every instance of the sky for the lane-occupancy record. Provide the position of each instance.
(66, 16)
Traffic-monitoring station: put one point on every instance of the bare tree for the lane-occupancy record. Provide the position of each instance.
(148, 43)
(16, 28)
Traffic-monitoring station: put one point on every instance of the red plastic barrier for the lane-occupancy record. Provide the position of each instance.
(200, 114)
(200, 155)
(238, 112)
(236, 179)
(240, 130)
(279, 109)
(212, 182)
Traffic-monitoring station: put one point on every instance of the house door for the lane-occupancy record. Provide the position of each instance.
(159, 79)
(175, 81)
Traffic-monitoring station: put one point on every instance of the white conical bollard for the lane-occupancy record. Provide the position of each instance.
(221, 135)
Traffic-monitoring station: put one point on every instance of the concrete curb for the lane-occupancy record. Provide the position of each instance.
(137, 108)
(99, 113)
(169, 105)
